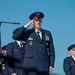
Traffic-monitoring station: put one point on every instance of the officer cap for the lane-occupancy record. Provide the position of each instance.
(71, 47)
(15, 30)
(4, 47)
(36, 15)
(20, 38)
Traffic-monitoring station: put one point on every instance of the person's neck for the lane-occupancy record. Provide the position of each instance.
(19, 41)
(73, 56)
(37, 29)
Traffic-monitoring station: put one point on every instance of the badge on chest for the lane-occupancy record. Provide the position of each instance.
(30, 43)
(30, 39)
(47, 39)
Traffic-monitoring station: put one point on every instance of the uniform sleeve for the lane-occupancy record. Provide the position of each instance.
(52, 51)
(9, 59)
(66, 67)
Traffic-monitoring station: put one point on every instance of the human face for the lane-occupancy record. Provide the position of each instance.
(5, 52)
(37, 24)
(72, 52)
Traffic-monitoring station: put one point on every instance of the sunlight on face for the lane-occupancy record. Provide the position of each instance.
(37, 24)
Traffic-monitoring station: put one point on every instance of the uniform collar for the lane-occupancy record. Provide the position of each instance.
(73, 57)
(38, 31)
(19, 43)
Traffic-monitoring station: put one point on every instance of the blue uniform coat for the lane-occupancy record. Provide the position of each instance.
(15, 56)
(69, 66)
(39, 53)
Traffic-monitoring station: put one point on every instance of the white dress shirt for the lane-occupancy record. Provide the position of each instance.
(73, 57)
(20, 43)
(40, 33)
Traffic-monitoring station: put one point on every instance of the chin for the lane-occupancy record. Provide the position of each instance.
(38, 27)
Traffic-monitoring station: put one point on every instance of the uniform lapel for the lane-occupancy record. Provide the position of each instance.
(17, 45)
(43, 36)
(72, 59)
(34, 36)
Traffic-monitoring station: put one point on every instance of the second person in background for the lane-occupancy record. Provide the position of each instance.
(15, 56)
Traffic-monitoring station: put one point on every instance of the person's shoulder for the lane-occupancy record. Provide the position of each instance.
(46, 31)
(11, 43)
(67, 59)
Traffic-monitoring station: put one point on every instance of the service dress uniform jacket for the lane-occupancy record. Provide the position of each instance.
(39, 53)
(69, 66)
(4, 67)
(15, 56)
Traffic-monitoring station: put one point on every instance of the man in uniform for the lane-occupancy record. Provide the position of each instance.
(40, 54)
(4, 62)
(4, 69)
(69, 62)
(15, 57)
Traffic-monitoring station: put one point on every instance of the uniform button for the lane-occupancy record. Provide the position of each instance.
(39, 55)
(40, 49)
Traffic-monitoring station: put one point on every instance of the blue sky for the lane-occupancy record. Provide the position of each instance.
(59, 19)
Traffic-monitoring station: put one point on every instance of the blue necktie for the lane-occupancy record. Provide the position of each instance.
(21, 45)
(38, 34)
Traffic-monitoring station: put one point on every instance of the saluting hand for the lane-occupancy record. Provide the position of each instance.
(27, 25)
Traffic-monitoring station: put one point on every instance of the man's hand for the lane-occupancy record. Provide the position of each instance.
(14, 74)
(50, 69)
(27, 25)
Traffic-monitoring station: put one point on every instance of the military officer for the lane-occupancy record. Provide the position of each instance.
(69, 62)
(4, 69)
(40, 54)
(4, 63)
(15, 56)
